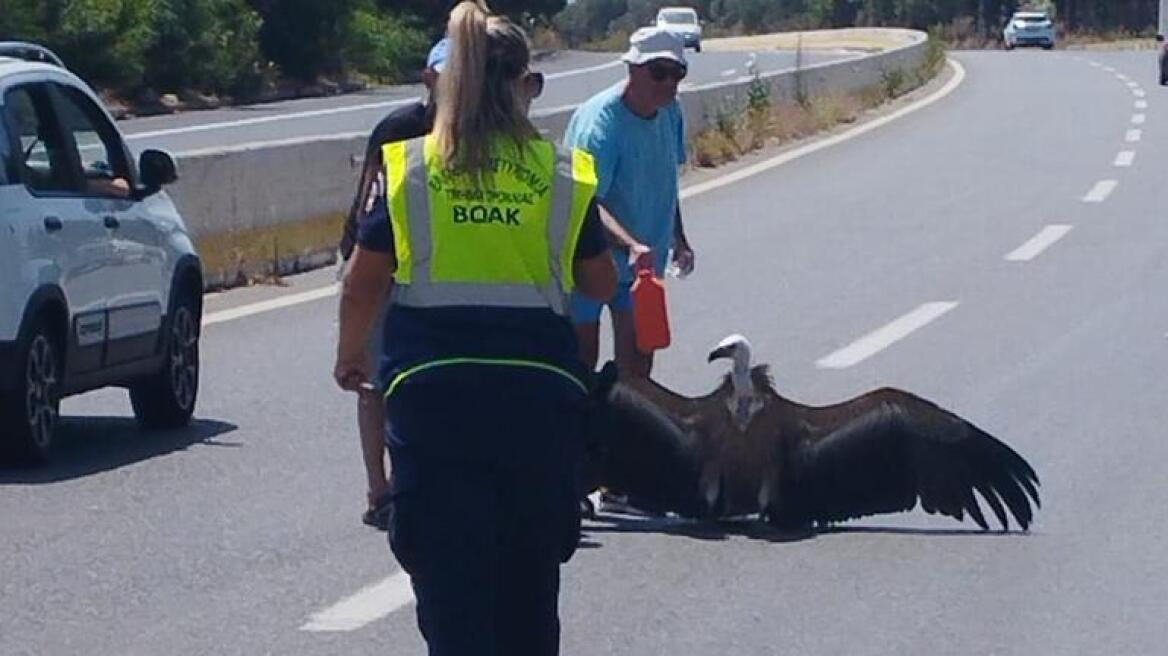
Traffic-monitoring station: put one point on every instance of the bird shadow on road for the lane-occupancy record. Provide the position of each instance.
(751, 529)
(90, 445)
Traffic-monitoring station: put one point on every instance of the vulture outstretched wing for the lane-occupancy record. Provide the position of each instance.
(638, 448)
(883, 451)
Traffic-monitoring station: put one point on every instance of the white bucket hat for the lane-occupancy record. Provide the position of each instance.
(649, 43)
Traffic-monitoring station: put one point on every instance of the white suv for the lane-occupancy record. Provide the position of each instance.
(101, 284)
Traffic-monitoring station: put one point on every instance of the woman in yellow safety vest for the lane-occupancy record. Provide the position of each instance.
(483, 229)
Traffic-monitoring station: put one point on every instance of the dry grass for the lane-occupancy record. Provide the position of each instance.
(262, 255)
(545, 38)
(617, 41)
(781, 123)
(876, 39)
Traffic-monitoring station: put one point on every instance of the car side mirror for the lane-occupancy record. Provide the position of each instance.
(156, 168)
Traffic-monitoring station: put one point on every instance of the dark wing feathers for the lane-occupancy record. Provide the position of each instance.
(888, 455)
(639, 450)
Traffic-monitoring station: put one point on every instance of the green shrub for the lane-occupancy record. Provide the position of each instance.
(209, 45)
(103, 41)
(383, 46)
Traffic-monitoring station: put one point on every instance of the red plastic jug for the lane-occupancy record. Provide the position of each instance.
(650, 315)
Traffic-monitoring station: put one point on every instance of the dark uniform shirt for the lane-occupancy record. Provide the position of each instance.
(406, 123)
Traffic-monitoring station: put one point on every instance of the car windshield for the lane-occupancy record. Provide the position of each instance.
(679, 17)
(1031, 19)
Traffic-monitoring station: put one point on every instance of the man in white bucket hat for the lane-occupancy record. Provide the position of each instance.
(636, 133)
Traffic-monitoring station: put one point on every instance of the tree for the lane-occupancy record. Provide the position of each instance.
(433, 13)
(205, 44)
(305, 38)
(588, 19)
(383, 45)
(18, 21)
(103, 41)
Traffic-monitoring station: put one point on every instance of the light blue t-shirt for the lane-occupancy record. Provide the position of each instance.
(636, 166)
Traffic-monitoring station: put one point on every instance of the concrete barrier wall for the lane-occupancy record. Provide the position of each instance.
(277, 207)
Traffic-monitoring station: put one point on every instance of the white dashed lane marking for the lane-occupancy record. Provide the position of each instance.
(1038, 243)
(364, 607)
(886, 336)
(1100, 191)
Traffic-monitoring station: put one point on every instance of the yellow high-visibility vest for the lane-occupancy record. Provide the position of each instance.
(505, 240)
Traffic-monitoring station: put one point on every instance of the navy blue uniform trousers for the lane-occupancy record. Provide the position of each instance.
(485, 461)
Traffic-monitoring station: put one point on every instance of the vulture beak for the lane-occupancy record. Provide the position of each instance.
(731, 348)
(721, 352)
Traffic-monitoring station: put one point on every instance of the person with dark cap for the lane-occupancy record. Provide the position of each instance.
(409, 122)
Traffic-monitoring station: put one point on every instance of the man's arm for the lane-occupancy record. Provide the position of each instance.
(617, 232)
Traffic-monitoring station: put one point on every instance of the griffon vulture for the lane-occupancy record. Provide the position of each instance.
(745, 449)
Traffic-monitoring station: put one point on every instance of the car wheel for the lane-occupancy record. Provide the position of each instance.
(167, 399)
(698, 48)
(30, 413)
(1047, 46)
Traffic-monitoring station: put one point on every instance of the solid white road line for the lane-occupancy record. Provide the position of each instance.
(728, 72)
(267, 306)
(1040, 242)
(1125, 158)
(1133, 135)
(333, 110)
(1139, 119)
(366, 606)
(882, 338)
(1141, 104)
(207, 127)
(688, 192)
(1100, 191)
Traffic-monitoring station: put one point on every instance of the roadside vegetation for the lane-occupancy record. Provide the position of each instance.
(161, 55)
(740, 128)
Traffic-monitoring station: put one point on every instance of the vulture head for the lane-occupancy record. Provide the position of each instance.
(744, 400)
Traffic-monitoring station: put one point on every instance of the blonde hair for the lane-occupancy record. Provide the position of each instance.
(478, 95)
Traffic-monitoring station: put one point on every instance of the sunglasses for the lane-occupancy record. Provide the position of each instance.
(534, 81)
(659, 71)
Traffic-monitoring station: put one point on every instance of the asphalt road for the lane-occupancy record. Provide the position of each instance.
(241, 535)
(572, 78)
